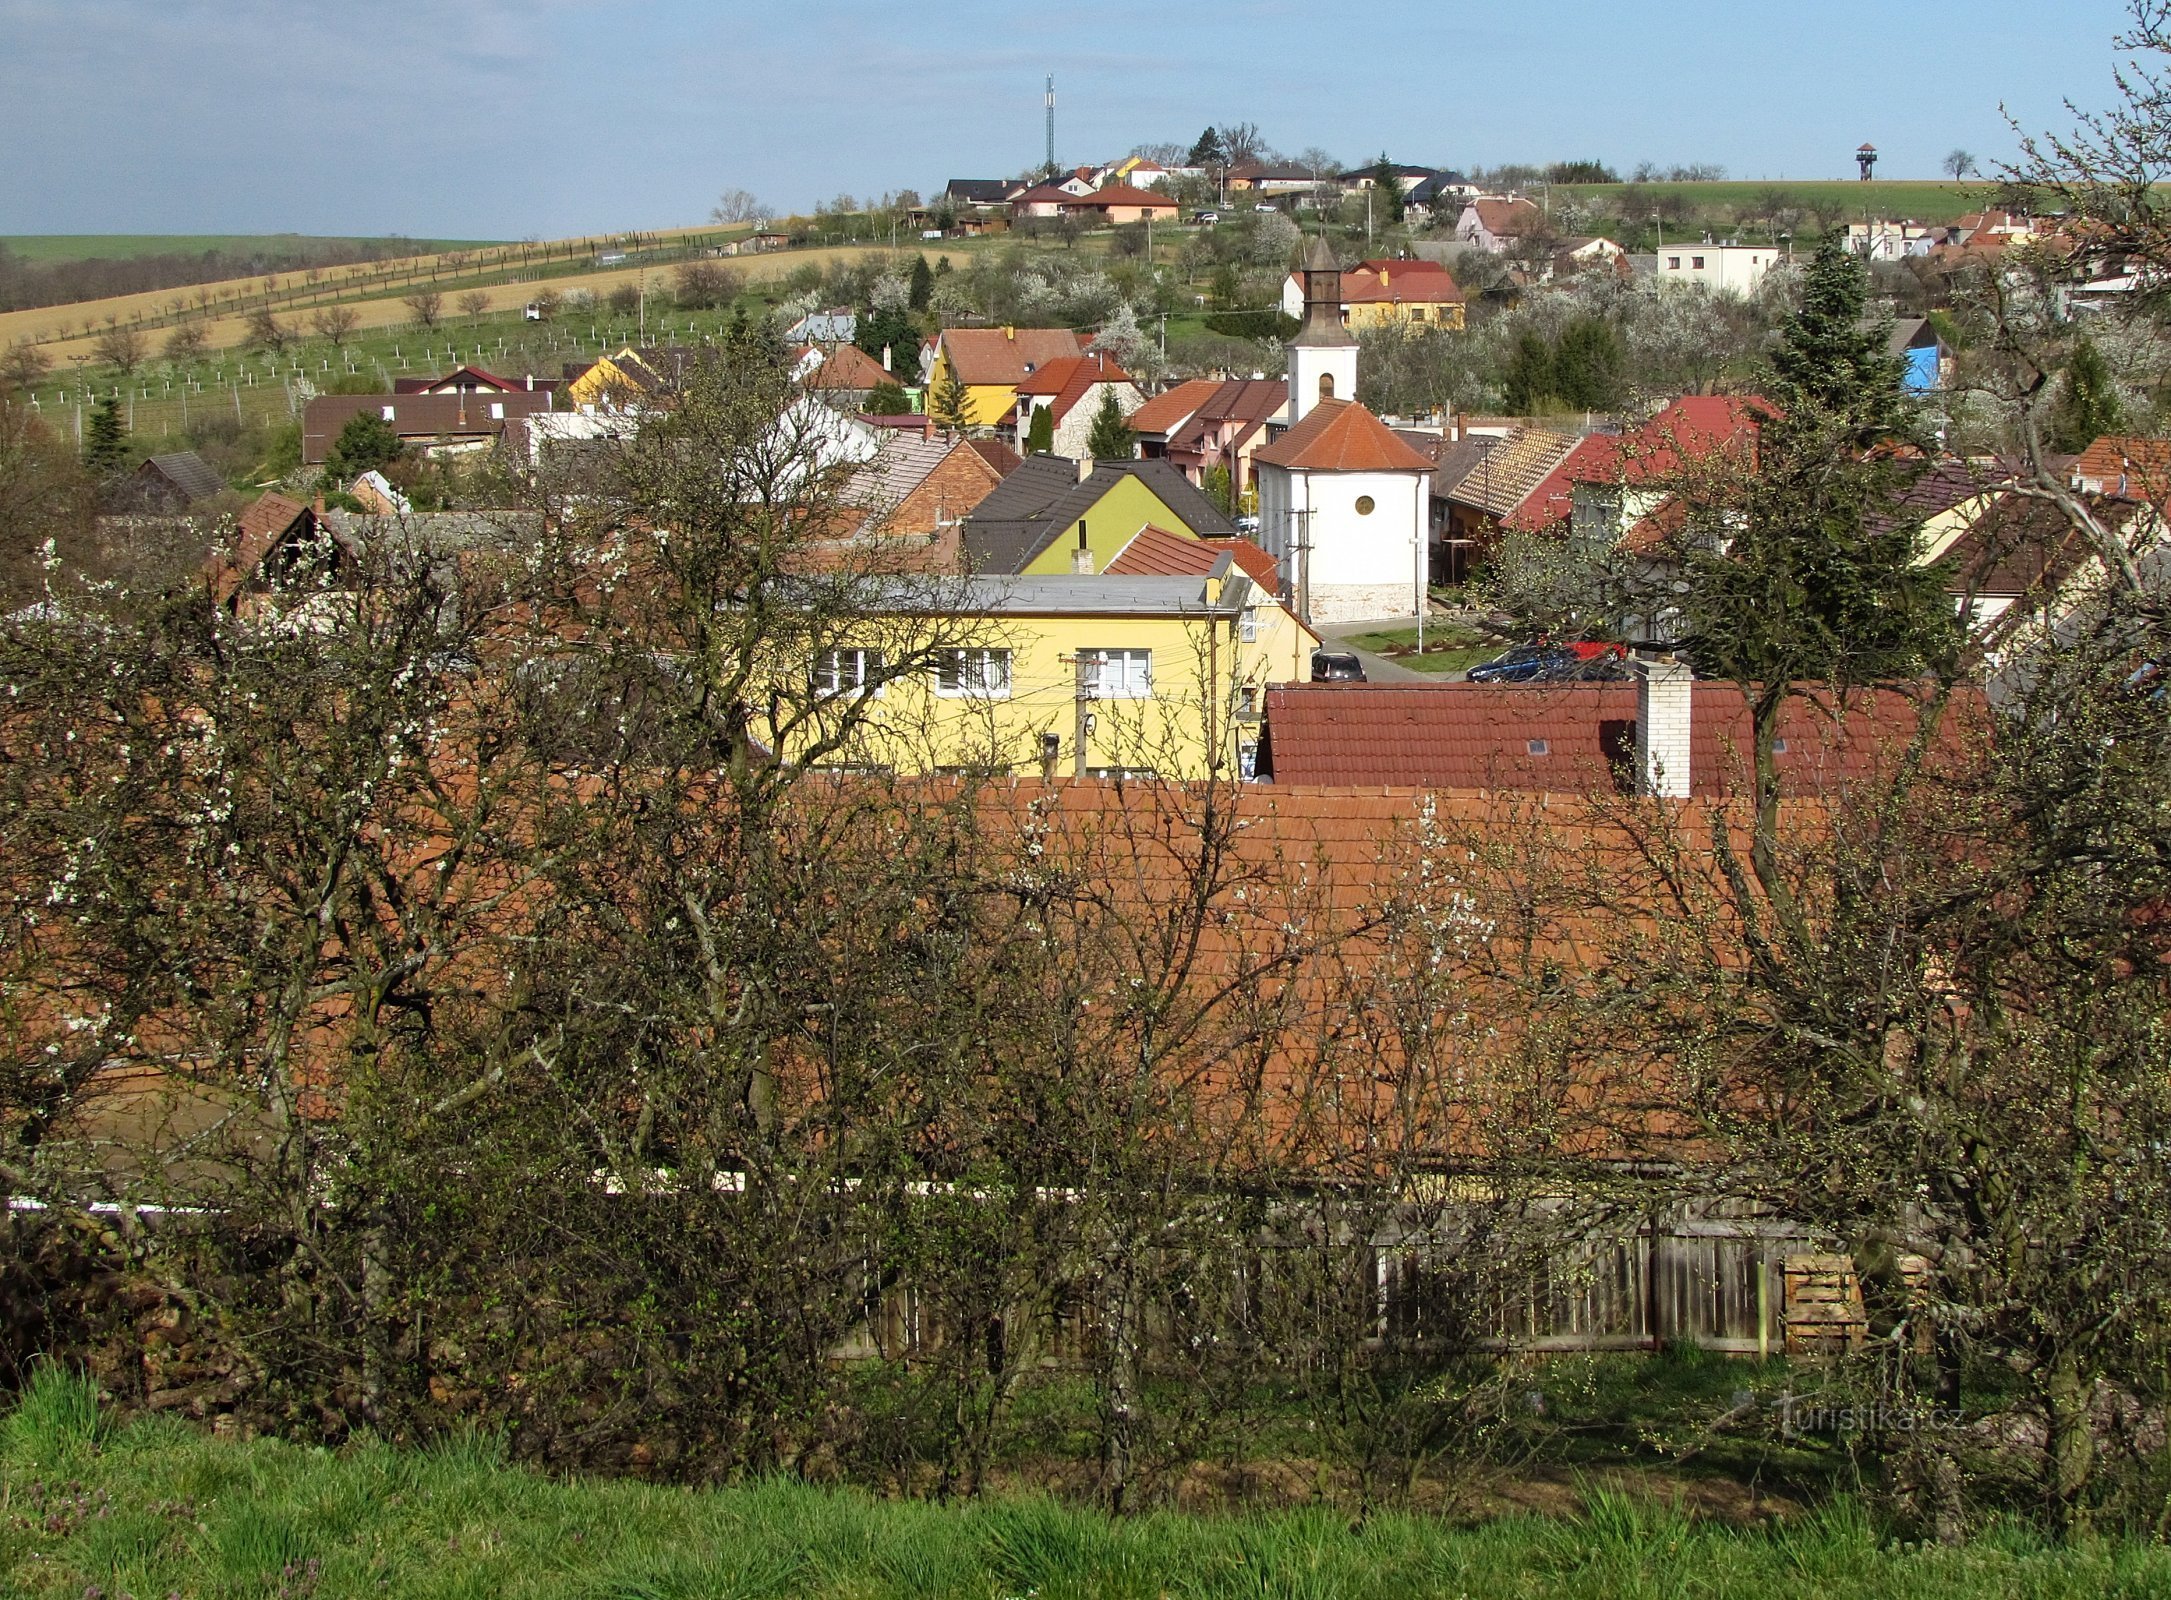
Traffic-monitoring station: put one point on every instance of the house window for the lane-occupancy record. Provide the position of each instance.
(1673, 263)
(1778, 747)
(1698, 263)
(388, 413)
(1247, 627)
(1117, 674)
(847, 671)
(1247, 699)
(1143, 774)
(1326, 386)
(1365, 505)
(1540, 747)
(973, 672)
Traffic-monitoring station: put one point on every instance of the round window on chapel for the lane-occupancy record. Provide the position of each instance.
(1364, 505)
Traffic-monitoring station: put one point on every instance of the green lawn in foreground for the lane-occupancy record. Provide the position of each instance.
(43, 247)
(155, 1508)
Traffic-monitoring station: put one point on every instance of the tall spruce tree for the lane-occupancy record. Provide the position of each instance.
(1040, 432)
(923, 283)
(105, 439)
(1834, 360)
(2087, 407)
(1111, 438)
(951, 402)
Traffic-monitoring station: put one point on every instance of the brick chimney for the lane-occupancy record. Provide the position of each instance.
(1081, 559)
(1664, 689)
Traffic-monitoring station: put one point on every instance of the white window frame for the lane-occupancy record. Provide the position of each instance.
(831, 678)
(989, 678)
(1134, 674)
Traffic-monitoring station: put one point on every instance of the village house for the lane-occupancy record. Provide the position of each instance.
(912, 497)
(838, 325)
(1070, 390)
(473, 380)
(1498, 223)
(1054, 515)
(165, 485)
(1120, 203)
(847, 375)
(992, 362)
(1206, 423)
(1376, 293)
(1108, 675)
(437, 424)
(1721, 268)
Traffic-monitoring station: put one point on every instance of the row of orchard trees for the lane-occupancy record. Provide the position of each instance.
(509, 1035)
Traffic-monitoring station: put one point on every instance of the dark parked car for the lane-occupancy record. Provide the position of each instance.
(1337, 666)
(1579, 662)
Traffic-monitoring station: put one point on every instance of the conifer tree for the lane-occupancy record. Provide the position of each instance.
(951, 403)
(1040, 432)
(1111, 438)
(105, 439)
(2087, 408)
(923, 283)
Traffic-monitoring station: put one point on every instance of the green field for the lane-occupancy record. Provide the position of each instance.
(1448, 649)
(1927, 202)
(45, 247)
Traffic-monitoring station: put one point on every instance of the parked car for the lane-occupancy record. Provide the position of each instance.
(1580, 661)
(1206, 217)
(1247, 524)
(1337, 666)
(1263, 206)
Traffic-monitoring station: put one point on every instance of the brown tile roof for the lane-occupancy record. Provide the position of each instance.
(1341, 436)
(1172, 408)
(1006, 356)
(1689, 429)
(1156, 552)
(2023, 547)
(996, 454)
(1564, 738)
(1258, 566)
(259, 531)
(850, 368)
(1505, 218)
(1509, 471)
(1121, 194)
(416, 416)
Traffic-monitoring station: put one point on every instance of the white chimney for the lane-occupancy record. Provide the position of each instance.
(886, 359)
(1664, 687)
(1081, 559)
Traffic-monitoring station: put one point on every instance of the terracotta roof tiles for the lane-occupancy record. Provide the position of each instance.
(1341, 436)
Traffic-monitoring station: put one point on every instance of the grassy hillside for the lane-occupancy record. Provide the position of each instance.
(1927, 202)
(45, 247)
(87, 1508)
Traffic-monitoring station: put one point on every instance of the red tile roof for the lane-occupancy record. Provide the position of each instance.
(1342, 436)
(1121, 194)
(1258, 566)
(1156, 552)
(1505, 218)
(1689, 429)
(1563, 738)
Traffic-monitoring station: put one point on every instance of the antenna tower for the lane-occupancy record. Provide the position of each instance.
(1049, 102)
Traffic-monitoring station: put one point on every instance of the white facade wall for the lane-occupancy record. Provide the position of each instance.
(1308, 363)
(1361, 564)
(1721, 268)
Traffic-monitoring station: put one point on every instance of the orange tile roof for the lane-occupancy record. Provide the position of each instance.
(1156, 552)
(2124, 467)
(1511, 470)
(1342, 436)
(1170, 409)
(1420, 282)
(1122, 194)
(1071, 378)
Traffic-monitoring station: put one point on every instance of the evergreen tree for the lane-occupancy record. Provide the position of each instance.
(1586, 365)
(888, 400)
(923, 283)
(886, 327)
(1528, 382)
(366, 443)
(1207, 152)
(2087, 407)
(1217, 488)
(1832, 359)
(1388, 188)
(1111, 438)
(951, 403)
(105, 439)
(1040, 432)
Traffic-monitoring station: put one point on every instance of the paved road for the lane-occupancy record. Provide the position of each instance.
(1378, 668)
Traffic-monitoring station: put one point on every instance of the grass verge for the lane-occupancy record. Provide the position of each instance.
(1447, 649)
(155, 1508)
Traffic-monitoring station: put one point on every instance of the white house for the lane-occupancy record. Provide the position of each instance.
(1738, 268)
(1343, 503)
(1493, 223)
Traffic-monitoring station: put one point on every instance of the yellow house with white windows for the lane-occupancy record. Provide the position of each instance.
(1072, 675)
(991, 363)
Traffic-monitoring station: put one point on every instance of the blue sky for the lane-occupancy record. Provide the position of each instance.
(509, 118)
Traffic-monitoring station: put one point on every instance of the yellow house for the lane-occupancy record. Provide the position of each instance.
(992, 362)
(1089, 676)
(1032, 522)
(1376, 293)
(625, 379)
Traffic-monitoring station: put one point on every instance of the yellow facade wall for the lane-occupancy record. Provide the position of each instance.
(987, 404)
(1113, 523)
(1207, 684)
(1380, 313)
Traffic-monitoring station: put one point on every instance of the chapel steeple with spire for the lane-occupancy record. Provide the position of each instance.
(1323, 355)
